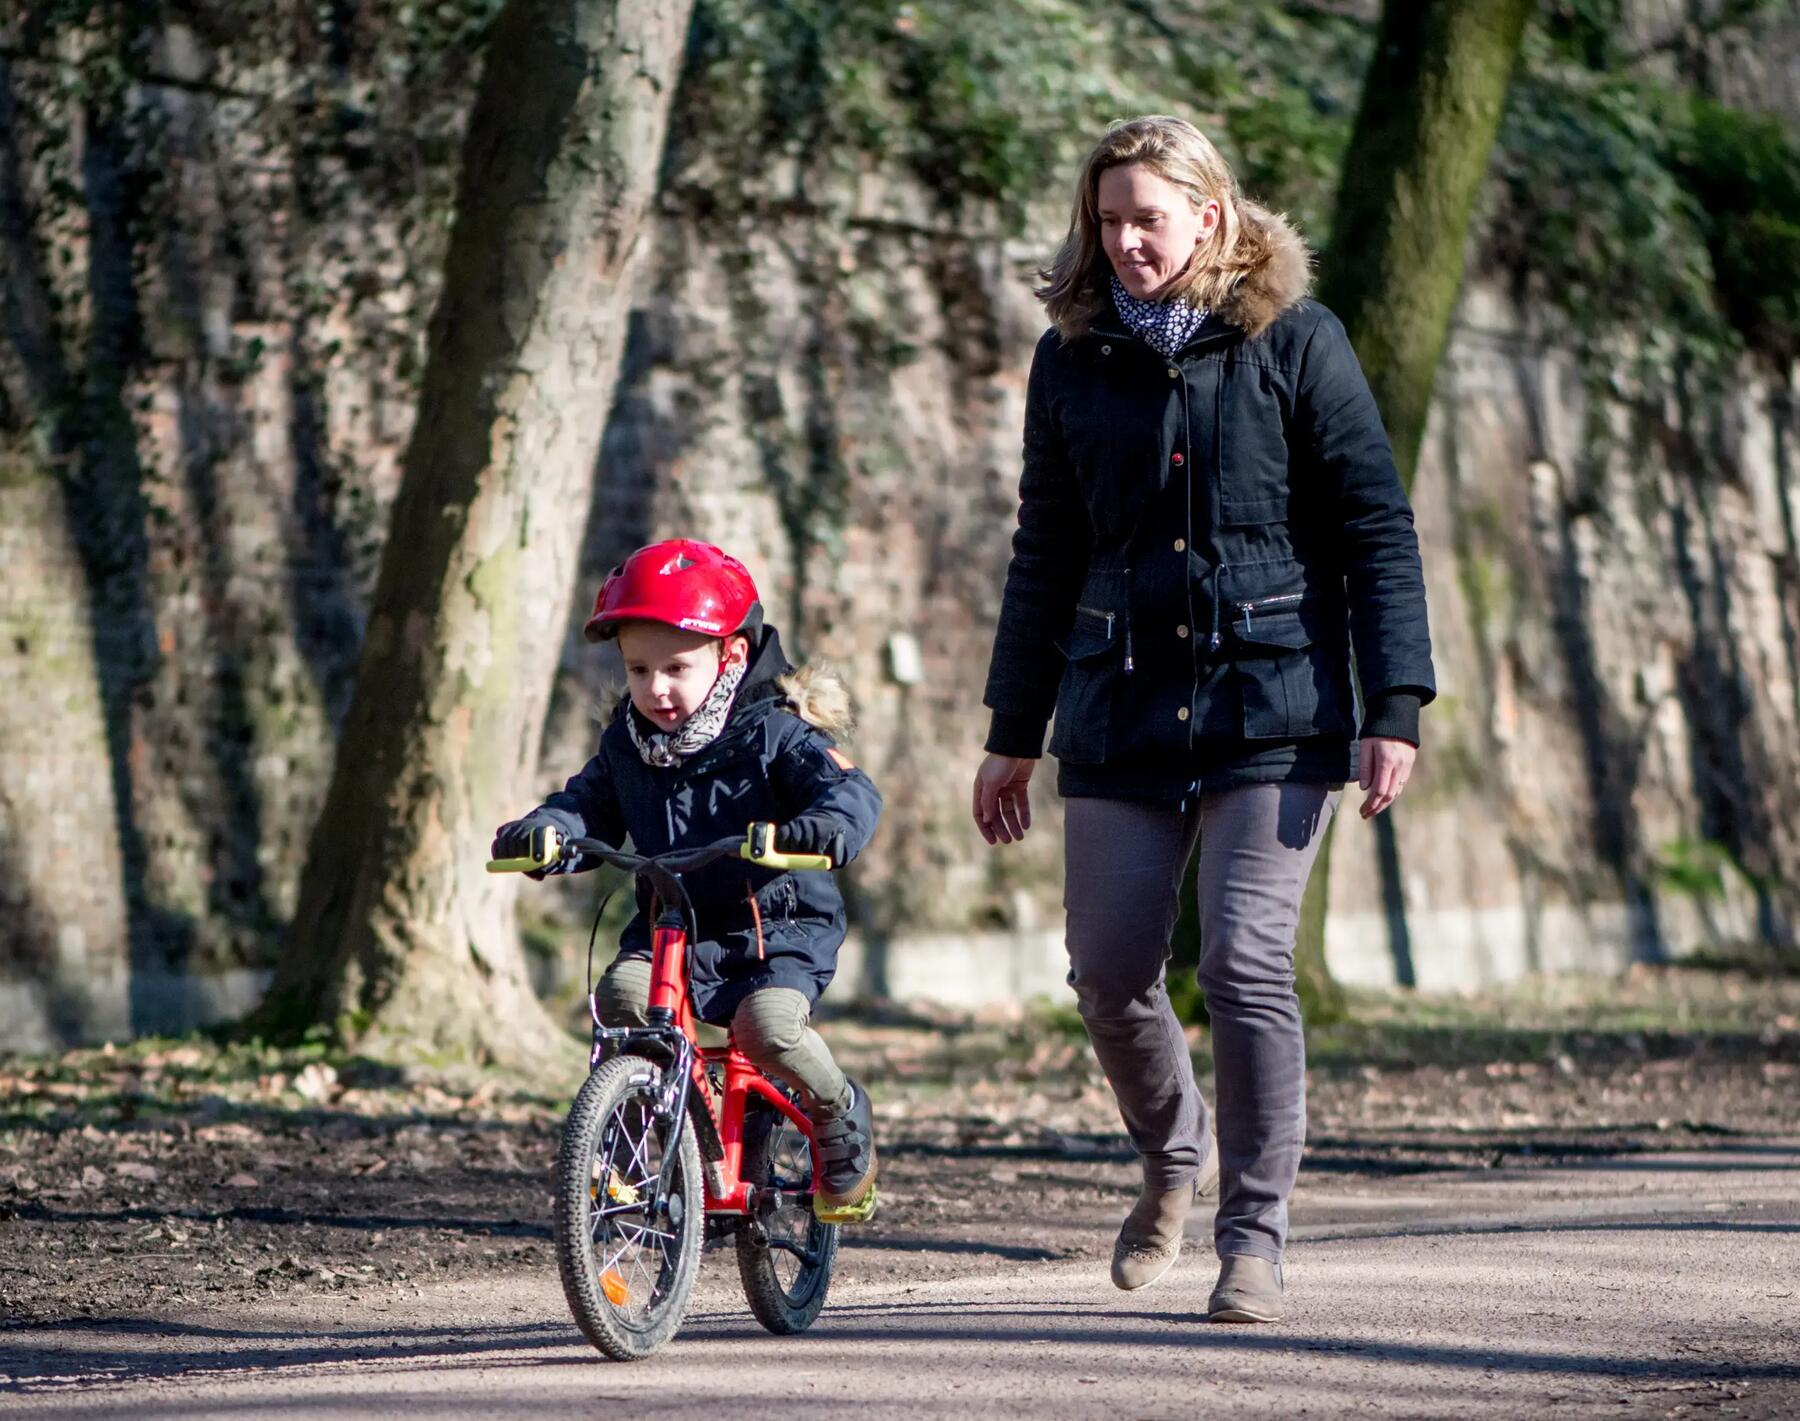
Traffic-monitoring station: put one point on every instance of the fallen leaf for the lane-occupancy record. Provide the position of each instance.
(316, 1082)
(91, 1178)
(132, 1170)
(242, 1181)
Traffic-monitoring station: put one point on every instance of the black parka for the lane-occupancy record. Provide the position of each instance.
(1201, 540)
(767, 765)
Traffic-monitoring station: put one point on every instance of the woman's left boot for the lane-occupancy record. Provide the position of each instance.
(1249, 1290)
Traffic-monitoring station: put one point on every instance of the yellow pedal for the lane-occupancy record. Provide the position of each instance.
(858, 1213)
(620, 1192)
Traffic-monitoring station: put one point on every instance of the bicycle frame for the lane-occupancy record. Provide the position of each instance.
(671, 1013)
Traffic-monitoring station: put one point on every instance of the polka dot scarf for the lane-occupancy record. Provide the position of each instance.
(1165, 326)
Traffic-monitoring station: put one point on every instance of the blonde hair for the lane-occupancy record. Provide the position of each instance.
(1077, 281)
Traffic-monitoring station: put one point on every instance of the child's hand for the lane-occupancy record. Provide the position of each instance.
(512, 840)
(1002, 802)
(813, 835)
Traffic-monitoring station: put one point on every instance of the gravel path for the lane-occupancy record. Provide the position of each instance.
(1650, 1284)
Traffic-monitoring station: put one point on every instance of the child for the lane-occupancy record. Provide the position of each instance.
(717, 732)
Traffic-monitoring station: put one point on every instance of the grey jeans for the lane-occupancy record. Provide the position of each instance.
(770, 1026)
(1122, 884)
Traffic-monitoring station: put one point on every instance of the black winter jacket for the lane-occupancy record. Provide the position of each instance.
(767, 765)
(1200, 542)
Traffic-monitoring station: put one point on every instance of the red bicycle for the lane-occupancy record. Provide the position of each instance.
(670, 1144)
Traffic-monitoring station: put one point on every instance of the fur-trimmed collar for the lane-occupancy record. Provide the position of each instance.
(1279, 283)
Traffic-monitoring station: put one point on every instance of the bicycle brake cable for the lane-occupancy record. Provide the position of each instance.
(593, 933)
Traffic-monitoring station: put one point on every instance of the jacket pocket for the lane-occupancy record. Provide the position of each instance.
(1097, 648)
(1291, 669)
(1256, 506)
(1282, 621)
(1253, 449)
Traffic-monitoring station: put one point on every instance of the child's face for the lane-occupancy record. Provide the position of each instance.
(669, 671)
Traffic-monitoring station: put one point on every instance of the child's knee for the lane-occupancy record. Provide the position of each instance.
(770, 1021)
(623, 995)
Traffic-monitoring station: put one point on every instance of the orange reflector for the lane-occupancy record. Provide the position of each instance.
(614, 1287)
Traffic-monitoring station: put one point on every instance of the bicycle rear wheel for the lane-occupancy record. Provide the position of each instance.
(785, 1255)
(627, 1252)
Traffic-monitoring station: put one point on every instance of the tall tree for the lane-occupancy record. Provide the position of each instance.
(399, 938)
(1430, 109)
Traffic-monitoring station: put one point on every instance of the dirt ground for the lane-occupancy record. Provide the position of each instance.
(164, 1176)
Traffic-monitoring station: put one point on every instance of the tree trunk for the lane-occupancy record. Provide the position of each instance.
(1423, 137)
(1430, 110)
(400, 940)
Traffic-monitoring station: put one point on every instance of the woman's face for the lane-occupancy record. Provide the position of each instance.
(669, 672)
(1149, 228)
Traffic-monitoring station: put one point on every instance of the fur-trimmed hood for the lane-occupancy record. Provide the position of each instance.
(1281, 281)
(818, 695)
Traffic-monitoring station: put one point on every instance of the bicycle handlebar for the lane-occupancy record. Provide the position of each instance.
(549, 848)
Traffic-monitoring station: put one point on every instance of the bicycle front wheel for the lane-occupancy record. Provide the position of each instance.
(628, 1248)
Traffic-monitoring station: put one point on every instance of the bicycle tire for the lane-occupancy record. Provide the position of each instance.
(615, 1108)
(784, 1307)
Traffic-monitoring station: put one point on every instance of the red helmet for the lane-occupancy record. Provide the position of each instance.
(681, 583)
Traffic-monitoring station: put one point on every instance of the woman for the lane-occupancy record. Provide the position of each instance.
(1209, 518)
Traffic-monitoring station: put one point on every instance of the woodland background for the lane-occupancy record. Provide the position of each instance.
(223, 231)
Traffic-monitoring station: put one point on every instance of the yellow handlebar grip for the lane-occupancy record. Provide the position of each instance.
(547, 844)
(759, 848)
(792, 861)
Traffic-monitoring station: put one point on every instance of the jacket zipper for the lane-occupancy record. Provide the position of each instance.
(1110, 617)
(1264, 603)
(1096, 612)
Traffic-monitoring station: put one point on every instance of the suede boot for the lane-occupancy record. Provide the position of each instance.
(1249, 1290)
(1150, 1238)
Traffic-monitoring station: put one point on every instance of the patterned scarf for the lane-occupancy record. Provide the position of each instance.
(666, 749)
(1165, 325)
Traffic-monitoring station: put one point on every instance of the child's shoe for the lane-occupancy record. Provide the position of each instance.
(846, 1193)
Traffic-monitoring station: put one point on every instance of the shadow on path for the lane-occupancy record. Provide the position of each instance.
(983, 1325)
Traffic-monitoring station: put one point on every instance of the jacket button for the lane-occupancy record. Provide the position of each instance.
(1181, 631)
(1181, 714)
(1106, 350)
(1176, 459)
(1181, 545)
(1174, 374)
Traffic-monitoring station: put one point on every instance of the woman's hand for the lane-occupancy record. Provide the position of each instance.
(1386, 767)
(1002, 803)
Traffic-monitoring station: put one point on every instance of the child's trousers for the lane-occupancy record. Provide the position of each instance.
(770, 1026)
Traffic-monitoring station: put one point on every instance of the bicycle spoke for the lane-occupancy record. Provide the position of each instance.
(643, 1231)
(625, 1235)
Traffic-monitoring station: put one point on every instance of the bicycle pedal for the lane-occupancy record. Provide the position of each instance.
(858, 1213)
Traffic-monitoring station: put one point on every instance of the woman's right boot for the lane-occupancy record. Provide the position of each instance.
(1150, 1238)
